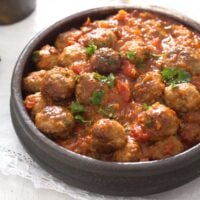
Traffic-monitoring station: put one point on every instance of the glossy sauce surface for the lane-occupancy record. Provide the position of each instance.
(123, 89)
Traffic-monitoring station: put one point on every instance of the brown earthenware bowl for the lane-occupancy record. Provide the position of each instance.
(125, 179)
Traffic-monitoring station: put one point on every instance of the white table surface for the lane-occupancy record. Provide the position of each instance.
(12, 40)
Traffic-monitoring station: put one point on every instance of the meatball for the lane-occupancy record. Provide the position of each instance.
(148, 88)
(71, 54)
(55, 121)
(105, 60)
(46, 58)
(170, 146)
(184, 97)
(190, 128)
(101, 37)
(34, 103)
(183, 57)
(156, 123)
(190, 133)
(131, 152)
(87, 86)
(58, 84)
(135, 51)
(108, 135)
(32, 83)
(67, 38)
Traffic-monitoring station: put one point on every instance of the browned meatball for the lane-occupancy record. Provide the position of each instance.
(71, 54)
(34, 103)
(55, 121)
(136, 51)
(32, 82)
(190, 128)
(108, 135)
(157, 122)
(165, 148)
(183, 57)
(131, 152)
(101, 37)
(67, 38)
(190, 133)
(58, 84)
(193, 117)
(184, 97)
(148, 88)
(87, 86)
(105, 60)
(46, 58)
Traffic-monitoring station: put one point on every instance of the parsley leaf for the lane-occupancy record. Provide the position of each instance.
(140, 63)
(174, 76)
(173, 85)
(36, 56)
(146, 106)
(127, 130)
(131, 55)
(154, 55)
(110, 79)
(76, 107)
(97, 97)
(108, 111)
(90, 49)
(81, 119)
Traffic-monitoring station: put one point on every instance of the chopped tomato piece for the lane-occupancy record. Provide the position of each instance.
(157, 43)
(123, 89)
(121, 15)
(29, 104)
(129, 69)
(80, 67)
(77, 68)
(140, 136)
(103, 24)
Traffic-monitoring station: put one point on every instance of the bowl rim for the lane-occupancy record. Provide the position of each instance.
(176, 161)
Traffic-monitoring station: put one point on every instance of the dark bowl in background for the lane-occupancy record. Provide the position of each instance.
(80, 171)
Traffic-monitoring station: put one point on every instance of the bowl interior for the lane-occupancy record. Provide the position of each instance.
(25, 65)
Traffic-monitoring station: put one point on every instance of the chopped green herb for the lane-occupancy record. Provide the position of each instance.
(131, 55)
(100, 77)
(96, 97)
(154, 55)
(76, 107)
(146, 106)
(36, 56)
(127, 129)
(175, 76)
(108, 111)
(77, 77)
(110, 79)
(90, 49)
(81, 119)
(173, 85)
(140, 63)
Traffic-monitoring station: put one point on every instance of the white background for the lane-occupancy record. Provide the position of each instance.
(12, 40)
